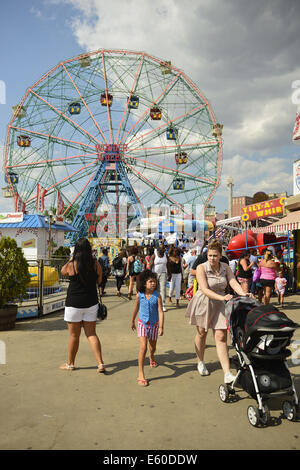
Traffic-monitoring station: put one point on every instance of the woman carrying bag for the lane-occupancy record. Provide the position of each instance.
(81, 306)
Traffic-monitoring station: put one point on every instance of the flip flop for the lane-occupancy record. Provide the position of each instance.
(143, 382)
(153, 363)
(67, 367)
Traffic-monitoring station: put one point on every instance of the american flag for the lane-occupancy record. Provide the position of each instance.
(60, 204)
(40, 198)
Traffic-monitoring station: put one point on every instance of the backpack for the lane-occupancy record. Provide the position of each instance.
(135, 267)
(117, 262)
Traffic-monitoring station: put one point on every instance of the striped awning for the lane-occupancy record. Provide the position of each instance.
(289, 222)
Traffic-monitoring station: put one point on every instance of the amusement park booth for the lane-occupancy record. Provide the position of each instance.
(31, 233)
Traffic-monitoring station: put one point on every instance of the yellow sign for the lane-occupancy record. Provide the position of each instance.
(28, 243)
(114, 246)
(263, 209)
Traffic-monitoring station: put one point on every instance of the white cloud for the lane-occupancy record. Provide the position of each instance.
(249, 175)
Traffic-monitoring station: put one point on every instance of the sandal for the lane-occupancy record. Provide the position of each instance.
(101, 369)
(67, 367)
(153, 363)
(143, 382)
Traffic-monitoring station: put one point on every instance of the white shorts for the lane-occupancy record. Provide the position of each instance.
(75, 315)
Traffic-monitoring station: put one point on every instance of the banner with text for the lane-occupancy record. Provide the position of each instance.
(259, 210)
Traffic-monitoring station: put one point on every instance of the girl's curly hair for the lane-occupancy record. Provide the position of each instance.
(143, 278)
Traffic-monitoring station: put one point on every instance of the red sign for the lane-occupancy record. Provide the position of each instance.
(111, 152)
(263, 209)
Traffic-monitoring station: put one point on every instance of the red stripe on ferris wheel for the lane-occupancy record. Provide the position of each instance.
(106, 94)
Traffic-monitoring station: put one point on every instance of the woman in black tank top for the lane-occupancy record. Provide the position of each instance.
(84, 273)
(245, 271)
(174, 267)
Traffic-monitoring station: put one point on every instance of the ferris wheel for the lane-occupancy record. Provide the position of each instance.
(113, 127)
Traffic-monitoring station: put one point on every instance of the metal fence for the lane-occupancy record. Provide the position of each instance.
(47, 289)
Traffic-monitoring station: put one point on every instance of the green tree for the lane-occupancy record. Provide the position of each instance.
(14, 276)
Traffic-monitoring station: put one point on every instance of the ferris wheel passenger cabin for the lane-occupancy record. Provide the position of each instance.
(19, 113)
(155, 113)
(178, 183)
(85, 61)
(74, 108)
(133, 102)
(172, 133)
(181, 158)
(23, 141)
(108, 101)
(217, 129)
(165, 67)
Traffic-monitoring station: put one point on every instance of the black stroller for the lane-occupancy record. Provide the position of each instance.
(260, 335)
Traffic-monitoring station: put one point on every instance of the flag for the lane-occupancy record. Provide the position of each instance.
(60, 204)
(20, 205)
(40, 198)
(296, 131)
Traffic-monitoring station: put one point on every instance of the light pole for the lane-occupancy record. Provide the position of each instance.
(230, 185)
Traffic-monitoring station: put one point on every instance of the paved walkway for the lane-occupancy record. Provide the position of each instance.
(42, 407)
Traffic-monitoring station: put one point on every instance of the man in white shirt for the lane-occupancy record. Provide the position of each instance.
(188, 263)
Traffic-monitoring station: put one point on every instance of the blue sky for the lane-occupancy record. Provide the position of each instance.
(246, 73)
(34, 36)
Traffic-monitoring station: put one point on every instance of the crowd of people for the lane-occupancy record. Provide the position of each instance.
(172, 265)
(214, 276)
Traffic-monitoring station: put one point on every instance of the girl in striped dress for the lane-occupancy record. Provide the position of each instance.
(148, 304)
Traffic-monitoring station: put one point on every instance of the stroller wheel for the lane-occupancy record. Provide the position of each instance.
(224, 393)
(289, 410)
(253, 415)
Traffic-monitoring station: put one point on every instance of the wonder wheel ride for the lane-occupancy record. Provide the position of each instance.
(113, 127)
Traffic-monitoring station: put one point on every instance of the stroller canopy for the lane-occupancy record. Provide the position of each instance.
(267, 318)
(252, 316)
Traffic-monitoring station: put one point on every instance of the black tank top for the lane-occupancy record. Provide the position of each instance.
(175, 268)
(244, 274)
(81, 295)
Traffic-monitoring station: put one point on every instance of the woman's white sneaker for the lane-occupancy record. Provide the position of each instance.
(202, 368)
(229, 378)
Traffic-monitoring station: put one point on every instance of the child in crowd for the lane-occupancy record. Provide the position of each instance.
(280, 283)
(148, 304)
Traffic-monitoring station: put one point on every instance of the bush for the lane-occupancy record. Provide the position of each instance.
(14, 275)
